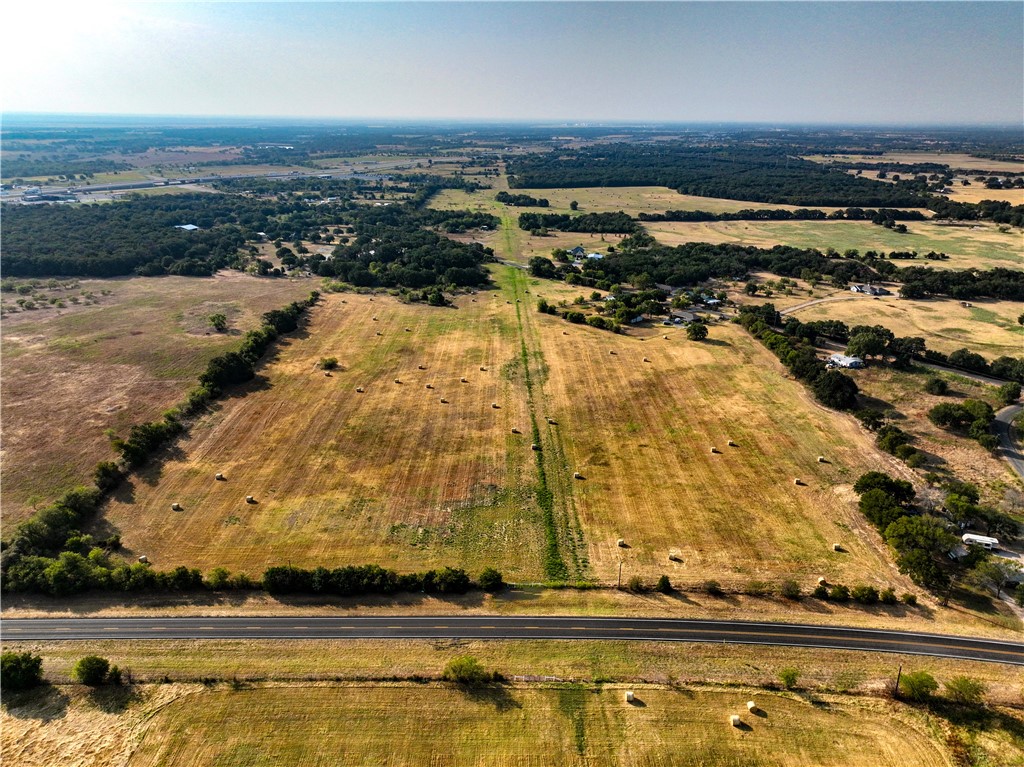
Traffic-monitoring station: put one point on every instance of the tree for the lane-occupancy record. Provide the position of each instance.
(836, 390)
(542, 267)
(994, 573)
(1008, 393)
(917, 686)
(936, 386)
(965, 690)
(219, 322)
(789, 676)
(900, 489)
(467, 670)
(880, 508)
(664, 585)
(696, 331)
(866, 345)
(491, 580)
(20, 670)
(91, 670)
(573, 205)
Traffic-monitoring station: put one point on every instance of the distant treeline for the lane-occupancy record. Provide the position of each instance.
(522, 200)
(17, 168)
(781, 214)
(758, 174)
(997, 211)
(598, 223)
(923, 281)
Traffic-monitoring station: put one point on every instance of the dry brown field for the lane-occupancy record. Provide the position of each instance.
(71, 373)
(981, 246)
(327, 724)
(977, 192)
(986, 326)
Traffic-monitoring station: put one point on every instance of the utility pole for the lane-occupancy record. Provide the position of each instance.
(896, 689)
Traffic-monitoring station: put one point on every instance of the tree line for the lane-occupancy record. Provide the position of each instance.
(521, 200)
(597, 223)
(782, 214)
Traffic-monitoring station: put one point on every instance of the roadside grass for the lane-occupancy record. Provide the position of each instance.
(980, 246)
(71, 373)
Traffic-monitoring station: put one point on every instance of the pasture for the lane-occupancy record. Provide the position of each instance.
(986, 326)
(955, 160)
(127, 351)
(392, 475)
(981, 246)
(566, 725)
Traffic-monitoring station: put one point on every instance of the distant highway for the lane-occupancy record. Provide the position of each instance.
(511, 628)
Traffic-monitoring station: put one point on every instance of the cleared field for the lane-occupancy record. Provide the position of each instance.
(71, 373)
(630, 199)
(391, 475)
(987, 327)
(955, 160)
(525, 726)
(977, 192)
(981, 246)
(641, 434)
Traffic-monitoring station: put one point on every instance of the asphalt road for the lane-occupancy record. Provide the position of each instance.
(1007, 444)
(524, 627)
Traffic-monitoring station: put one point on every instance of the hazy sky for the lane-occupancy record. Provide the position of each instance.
(949, 62)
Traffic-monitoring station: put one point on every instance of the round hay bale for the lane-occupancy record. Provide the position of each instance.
(552, 421)
(379, 333)
(421, 367)
(250, 499)
(374, 319)
(219, 477)
(565, 333)
(464, 380)
(408, 330)
(327, 373)
(577, 475)
(483, 369)
(398, 381)
(714, 450)
(734, 720)
(665, 337)
(495, 405)
(515, 430)
(837, 547)
(821, 459)
(144, 560)
(621, 543)
(629, 696)
(535, 447)
(822, 582)
(359, 389)
(646, 360)
(797, 481)
(430, 386)
(731, 443)
(751, 706)
(175, 507)
(444, 401)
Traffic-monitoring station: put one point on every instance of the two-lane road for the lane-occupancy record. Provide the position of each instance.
(511, 628)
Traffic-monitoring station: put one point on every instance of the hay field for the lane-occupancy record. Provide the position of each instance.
(391, 476)
(526, 726)
(955, 160)
(977, 192)
(71, 373)
(987, 327)
(981, 246)
(640, 434)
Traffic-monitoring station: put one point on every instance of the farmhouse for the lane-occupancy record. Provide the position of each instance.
(187, 227)
(869, 290)
(842, 361)
(578, 252)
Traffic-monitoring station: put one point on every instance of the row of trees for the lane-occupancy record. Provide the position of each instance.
(594, 223)
(522, 200)
(831, 387)
(782, 214)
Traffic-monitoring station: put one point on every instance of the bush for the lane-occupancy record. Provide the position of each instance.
(936, 386)
(758, 588)
(328, 363)
(664, 585)
(887, 597)
(91, 670)
(789, 677)
(491, 580)
(696, 331)
(965, 690)
(917, 686)
(1018, 594)
(839, 593)
(467, 670)
(910, 600)
(636, 585)
(866, 595)
(20, 671)
(714, 588)
(1008, 393)
(790, 589)
(820, 591)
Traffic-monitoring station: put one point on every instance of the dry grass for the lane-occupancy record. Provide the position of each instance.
(987, 327)
(391, 475)
(979, 246)
(956, 160)
(528, 726)
(70, 374)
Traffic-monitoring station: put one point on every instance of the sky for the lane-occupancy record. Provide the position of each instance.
(796, 62)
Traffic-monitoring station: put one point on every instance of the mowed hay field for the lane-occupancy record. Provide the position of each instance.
(640, 434)
(986, 326)
(69, 374)
(391, 475)
(980, 246)
(571, 725)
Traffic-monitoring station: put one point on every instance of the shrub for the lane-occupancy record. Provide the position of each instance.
(839, 593)
(866, 595)
(887, 597)
(114, 676)
(789, 677)
(20, 671)
(790, 589)
(636, 585)
(664, 585)
(696, 331)
(916, 460)
(714, 588)
(1018, 594)
(965, 690)
(491, 580)
(1008, 393)
(936, 386)
(758, 588)
(218, 579)
(917, 686)
(820, 591)
(910, 600)
(328, 363)
(467, 670)
(91, 670)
